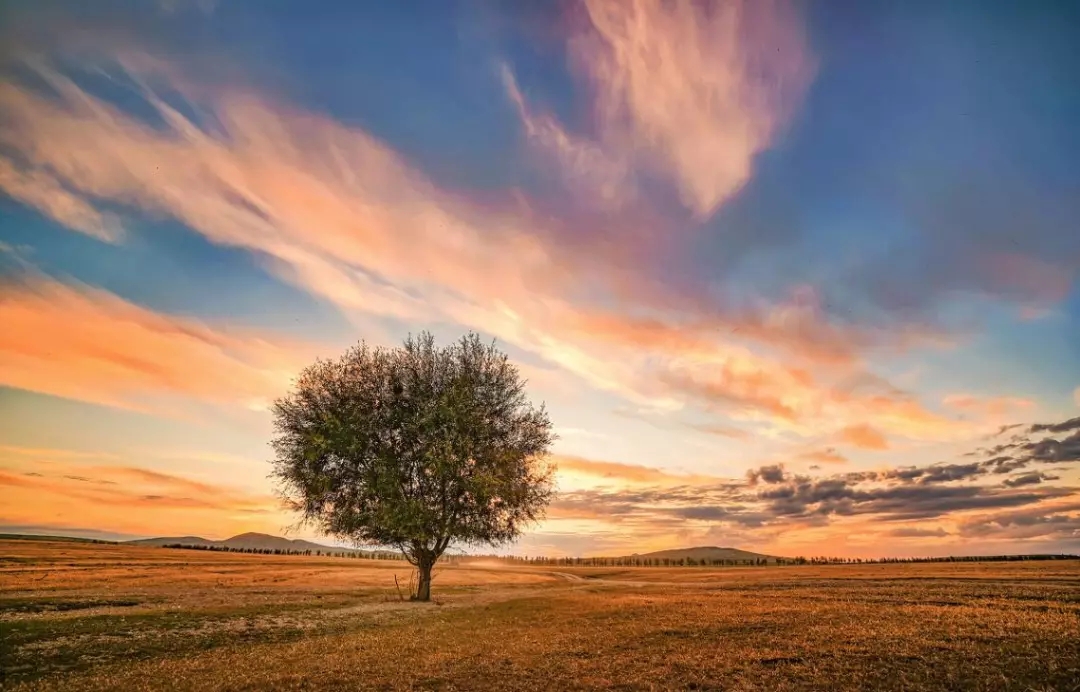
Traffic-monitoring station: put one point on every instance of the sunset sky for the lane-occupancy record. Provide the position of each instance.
(796, 278)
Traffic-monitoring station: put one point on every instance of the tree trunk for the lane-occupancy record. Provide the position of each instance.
(423, 589)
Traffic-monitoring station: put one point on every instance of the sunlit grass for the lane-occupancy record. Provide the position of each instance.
(110, 617)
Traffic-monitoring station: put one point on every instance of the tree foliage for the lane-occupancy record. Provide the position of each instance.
(417, 447)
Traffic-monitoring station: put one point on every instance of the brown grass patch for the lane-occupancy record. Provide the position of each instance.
(227, 621)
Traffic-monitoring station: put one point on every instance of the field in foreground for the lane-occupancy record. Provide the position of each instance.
(86, 616)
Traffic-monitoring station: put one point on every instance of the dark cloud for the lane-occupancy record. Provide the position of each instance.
(1060, 522)
(766, 474)
(911, 532)
(84, 479)
(1064, 426)
(836, 496)
(737, 514)
(1039, 444)
(771, 497)
(615, 504)
(1004, 464)
(938, 473)
(1033, 478)
(1054, 451)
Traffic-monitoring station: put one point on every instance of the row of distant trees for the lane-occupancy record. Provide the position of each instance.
(638, 561)
(762, 562)
(284, 551)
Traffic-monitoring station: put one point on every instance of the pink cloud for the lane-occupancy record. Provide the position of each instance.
(864, 437)
(587, 168)
(1043, 282)
(40, 190)
(995, 407)
(694, 90)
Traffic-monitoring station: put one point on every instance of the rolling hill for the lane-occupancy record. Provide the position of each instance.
(709, 553)
(245, 541)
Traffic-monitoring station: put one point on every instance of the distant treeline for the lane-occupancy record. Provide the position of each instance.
(356, 554)
(353, 554)
(763, 561)
(633, 561)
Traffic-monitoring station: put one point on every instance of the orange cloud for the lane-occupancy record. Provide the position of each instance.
(625, 473)
(721, 431)
(989, 407)
(863, 436)
(84, 343)
(697, 90)
(824, 456)
(130, 499)
(32, 453)
(126, 487)
(731, 384)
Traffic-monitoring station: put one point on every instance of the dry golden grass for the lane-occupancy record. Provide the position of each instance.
(79, 616)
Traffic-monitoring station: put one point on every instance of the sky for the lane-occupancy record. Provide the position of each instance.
(799, 278)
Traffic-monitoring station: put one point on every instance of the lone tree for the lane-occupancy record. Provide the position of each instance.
(414, 447)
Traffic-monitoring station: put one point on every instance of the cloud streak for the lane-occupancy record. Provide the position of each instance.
(113, 487)
(87, 344)
(38, 189)
(43, 487)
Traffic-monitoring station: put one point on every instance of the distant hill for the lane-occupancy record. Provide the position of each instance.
(175, 540)
(245, 541)
(709, 552)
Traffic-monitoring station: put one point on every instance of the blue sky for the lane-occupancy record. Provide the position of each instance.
(833, 237)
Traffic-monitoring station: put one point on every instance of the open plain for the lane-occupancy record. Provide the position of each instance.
(99, 616)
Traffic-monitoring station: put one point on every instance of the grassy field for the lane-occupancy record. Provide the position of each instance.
(88, 616)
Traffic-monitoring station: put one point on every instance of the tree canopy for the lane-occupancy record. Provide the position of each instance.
(417, 447)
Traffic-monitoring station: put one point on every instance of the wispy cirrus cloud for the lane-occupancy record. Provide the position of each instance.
(38, 189)
(585, 166)
(689, 91)
(87, 344)
(991, 407)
